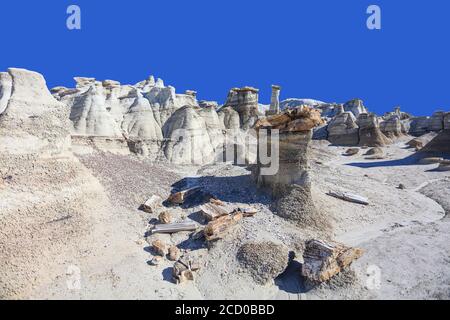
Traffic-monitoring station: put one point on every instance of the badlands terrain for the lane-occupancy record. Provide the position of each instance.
(89, 174)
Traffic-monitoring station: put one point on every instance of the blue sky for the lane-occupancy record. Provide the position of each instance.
(316, 49)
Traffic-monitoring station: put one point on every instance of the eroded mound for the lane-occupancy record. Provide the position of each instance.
(263, 260)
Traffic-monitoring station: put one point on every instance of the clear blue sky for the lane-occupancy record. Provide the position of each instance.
(318, 48)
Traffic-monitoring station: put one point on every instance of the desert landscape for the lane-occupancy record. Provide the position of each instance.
(112, 191)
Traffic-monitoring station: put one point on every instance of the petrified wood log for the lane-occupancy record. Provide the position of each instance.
(174, 227)
(214, 210)
(324, 260)
(218, 228)
(180, 197)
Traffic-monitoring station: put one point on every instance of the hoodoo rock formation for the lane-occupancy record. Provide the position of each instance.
(392, 127)
(369, 131)
(275, 101)
(290, 185)
(343, 130)
(245, 102)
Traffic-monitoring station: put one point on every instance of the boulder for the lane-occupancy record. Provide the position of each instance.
(377, 151)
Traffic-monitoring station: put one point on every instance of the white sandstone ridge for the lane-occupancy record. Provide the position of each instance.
(152, 120)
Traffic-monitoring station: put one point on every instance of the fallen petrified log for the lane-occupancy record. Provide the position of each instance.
(217, 229)
(174, 227)
(214, 210)
(180, 197)
(324, 260)
(349, 197)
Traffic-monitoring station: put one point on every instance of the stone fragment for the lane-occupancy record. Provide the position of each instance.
(352, 151)
(153, 204)
(165, 217)
(159, 248)
(174, 253)
(156, 261)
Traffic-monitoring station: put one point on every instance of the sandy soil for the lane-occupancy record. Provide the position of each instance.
(403, 232)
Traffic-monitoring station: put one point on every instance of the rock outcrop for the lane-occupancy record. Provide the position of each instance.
(355, 106)
(343, 130)
(32, 121)
(139, 122)
(187, 138)
(419, 126)
(245, 102)
(392, 127)
(90, 116)
(441, 143)
(370, 134)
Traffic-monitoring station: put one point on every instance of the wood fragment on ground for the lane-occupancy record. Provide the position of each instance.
(174, 227)
(180, 197)
(213, 210)
(323, 260)
(218, 228)
(350, 197)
